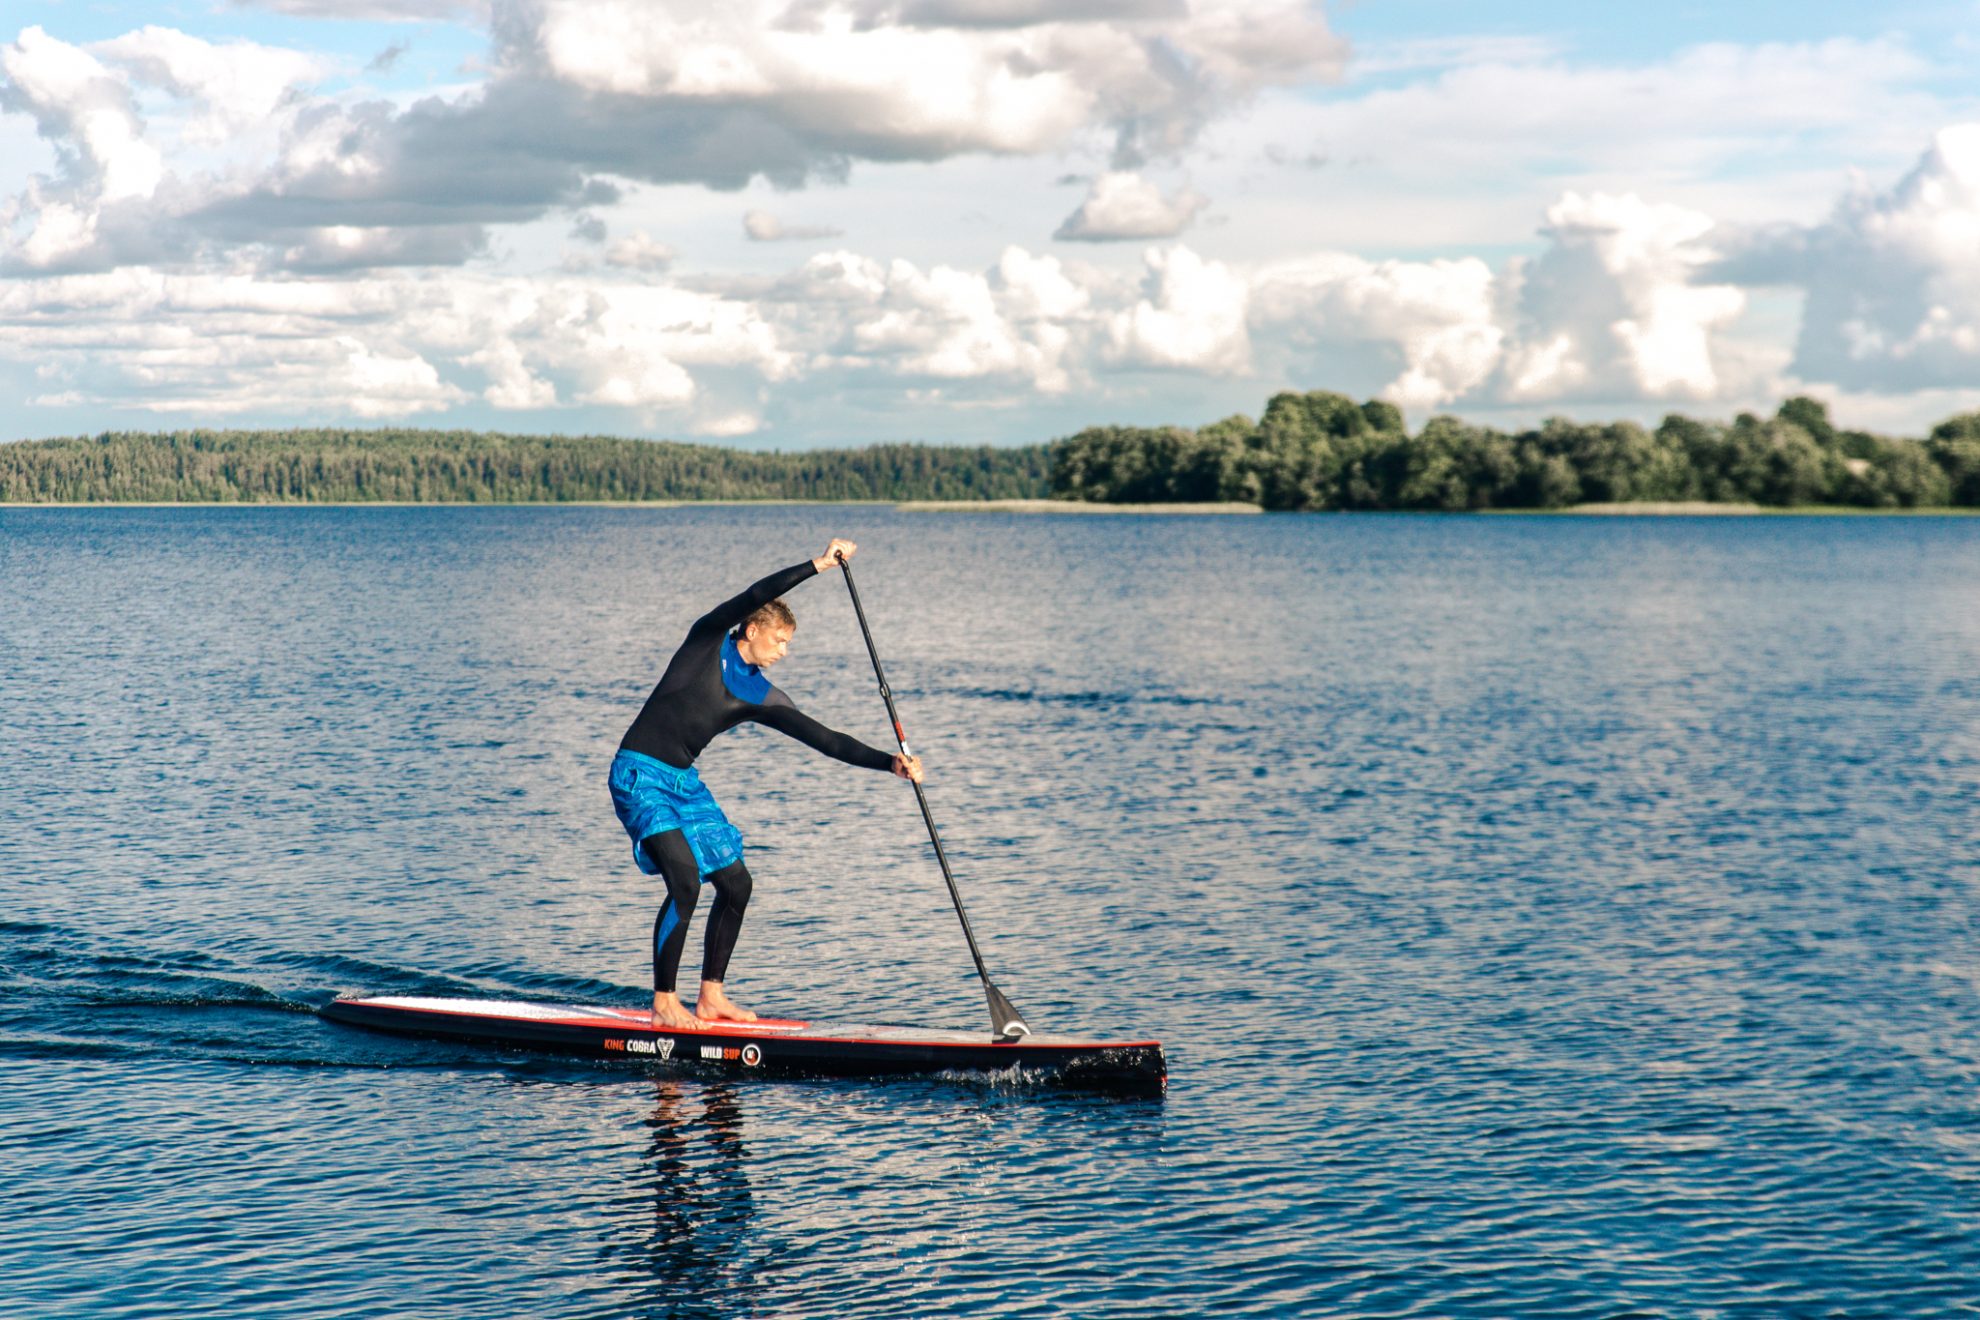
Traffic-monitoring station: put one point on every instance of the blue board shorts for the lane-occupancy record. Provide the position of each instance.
(652, 797)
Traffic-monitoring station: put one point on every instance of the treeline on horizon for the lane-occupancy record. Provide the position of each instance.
(333, 466)
(1324, 451)
(1312, 451)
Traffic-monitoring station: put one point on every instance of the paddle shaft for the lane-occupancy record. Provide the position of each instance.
(1002, 1014)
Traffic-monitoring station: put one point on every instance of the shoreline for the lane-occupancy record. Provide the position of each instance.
(421, 504)
(899, 506)
(1064, 506)
(1706, 509)
(1643, 509)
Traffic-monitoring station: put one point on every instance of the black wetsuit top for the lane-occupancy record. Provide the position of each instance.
(707, 688)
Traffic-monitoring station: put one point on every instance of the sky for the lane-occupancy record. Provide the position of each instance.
(798, 223)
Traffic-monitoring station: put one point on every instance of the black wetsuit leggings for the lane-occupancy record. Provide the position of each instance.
(670, 852)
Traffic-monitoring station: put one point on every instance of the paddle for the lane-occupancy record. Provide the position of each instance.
(1004, 1019)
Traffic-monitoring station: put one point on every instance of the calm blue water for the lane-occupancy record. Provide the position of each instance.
(1546, 917)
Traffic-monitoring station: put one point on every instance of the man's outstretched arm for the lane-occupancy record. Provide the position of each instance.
(739, 607)
(841, 746)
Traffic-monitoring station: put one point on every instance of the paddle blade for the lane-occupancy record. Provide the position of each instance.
(1004, 1019)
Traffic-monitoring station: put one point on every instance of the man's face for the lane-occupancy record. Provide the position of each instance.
(766, 644)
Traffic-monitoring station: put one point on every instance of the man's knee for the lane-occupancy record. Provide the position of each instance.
(684, 894)
(675, 860)
(733, 884)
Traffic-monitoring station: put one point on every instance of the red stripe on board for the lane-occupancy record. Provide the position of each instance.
(732, 1030)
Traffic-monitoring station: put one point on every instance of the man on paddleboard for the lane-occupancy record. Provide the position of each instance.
(714, 682)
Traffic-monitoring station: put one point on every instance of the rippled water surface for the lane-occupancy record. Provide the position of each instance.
(1545, 917)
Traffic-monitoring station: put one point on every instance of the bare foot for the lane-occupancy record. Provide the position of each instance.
(668, 1011)
(715, 1006)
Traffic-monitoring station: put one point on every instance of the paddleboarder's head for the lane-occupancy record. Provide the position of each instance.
(764, 637)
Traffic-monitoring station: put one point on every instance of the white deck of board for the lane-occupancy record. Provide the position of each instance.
(638, 1019)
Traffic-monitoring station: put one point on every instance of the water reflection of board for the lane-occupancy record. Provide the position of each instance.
(774, 1046)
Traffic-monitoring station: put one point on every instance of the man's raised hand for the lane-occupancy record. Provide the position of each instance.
(830, 559)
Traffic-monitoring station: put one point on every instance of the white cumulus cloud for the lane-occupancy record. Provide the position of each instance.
(1191, 316)
(1892, 277)
(763, 227)
(1617, 308)
(379, 345)
(1121, 205)
(640, 251)
(116, 196)
(584, 98)
(1437, 324)
(871, 81)
(1612, 310)
(85, 110)
(238, 84)
(1016, 322)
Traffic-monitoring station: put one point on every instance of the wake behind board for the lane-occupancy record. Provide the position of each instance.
(770, 1046)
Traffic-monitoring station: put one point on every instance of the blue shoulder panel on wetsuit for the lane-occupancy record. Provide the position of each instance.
(744, 681)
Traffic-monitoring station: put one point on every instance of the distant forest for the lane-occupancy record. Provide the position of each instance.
(355, 466)
(1325, 451)
(1309, 451)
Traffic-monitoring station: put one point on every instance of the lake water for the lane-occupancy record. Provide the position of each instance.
(1545, 917)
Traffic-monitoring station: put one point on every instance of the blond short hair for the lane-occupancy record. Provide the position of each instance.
(769, 614)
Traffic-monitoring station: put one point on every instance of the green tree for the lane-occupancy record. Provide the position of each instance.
(1912, 478)
(1221, 459)
(1614, 463)
(1453, 464)
(1812, 416)
(1306, 444)
(1954, 446)
(317, 464)
(1793, 468)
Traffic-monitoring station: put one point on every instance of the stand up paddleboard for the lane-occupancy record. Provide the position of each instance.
(777, 1047)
